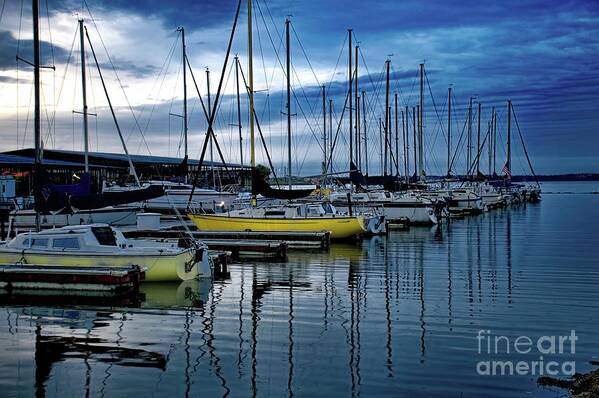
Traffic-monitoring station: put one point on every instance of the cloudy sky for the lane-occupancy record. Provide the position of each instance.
(543, 55)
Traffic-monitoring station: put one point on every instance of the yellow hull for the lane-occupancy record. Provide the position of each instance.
(339, 227)
(159, 268)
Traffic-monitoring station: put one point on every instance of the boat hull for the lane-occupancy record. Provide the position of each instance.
(466, 205)
(339, 227)
(374, 221)
(159, 268)
(180, 200)
(416, 214)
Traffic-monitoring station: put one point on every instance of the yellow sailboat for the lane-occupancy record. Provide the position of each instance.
(276, 218)
(100, 245)
(282, 218)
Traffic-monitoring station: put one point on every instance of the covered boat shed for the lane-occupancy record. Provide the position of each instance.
(63, 164)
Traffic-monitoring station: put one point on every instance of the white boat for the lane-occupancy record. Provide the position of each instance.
(102, 245)
(466, 200)
(112, 215)
(462, 200)
(410, 207)
(490, 196)
(177, 196)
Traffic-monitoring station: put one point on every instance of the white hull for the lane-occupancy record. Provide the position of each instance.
(414, 214)
(217, 201)
(467, 205)
(177, 196)
(491, 200)
(116, 216)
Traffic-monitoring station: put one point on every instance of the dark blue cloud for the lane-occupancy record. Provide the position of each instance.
(541, 54)
(9, 46)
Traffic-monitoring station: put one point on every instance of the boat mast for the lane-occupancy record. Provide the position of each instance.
(391, 156)
(37, 90)
(116, 122)
(407, 144)
(421, 127)
(509, 137)
(288, 64)
(448, 132)
(358, 133)
(184, 55)
(251, 93)
(396, 139)
(84, 94)
(330, 160)
(387, 65)
(210, 138)
(478, 142)
(324, 131)
(238, 110)
(415, 110)
(490, 147)
(403, 137)
(469, 145)
(494, 139)
(365, 130)
(357, 110)
(351, 121)
(381, 140)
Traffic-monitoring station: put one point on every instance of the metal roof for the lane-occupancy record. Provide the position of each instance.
(57, 155)
(16, 160)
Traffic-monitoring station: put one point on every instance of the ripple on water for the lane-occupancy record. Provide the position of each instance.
(395, 316)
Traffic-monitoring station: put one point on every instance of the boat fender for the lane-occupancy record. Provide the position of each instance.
(199, 255)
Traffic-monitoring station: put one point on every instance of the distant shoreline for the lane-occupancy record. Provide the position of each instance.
(559, 177)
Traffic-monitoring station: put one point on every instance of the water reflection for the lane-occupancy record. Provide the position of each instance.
(392, 315)
(52, 349)
(191, 293)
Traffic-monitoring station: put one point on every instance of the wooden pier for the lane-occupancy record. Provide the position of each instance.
(70, 281)
(247, 244)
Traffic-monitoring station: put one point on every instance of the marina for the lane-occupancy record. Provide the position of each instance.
(236, 214)
(394, 315)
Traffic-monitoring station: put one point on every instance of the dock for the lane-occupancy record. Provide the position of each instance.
(247, 244)
(56, 280)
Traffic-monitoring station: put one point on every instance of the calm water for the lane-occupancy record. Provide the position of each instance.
(392, 316)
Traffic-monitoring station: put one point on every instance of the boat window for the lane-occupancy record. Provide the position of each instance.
(26, 242)
(39, 242)
(104, 235)
(65, 243)
(274, 213)
(313, 211)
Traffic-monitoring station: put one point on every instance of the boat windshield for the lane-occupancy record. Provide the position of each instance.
(104, 235)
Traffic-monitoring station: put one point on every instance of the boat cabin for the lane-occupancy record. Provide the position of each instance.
(71, 238)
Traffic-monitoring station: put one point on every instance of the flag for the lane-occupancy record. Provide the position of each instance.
(506, 171)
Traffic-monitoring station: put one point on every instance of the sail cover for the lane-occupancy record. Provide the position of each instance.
(52, 197)
(261, 187)
(356, 176)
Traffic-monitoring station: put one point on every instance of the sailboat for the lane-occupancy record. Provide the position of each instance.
(279, 218)
(76, 204)
(99, 245)
(94, 244)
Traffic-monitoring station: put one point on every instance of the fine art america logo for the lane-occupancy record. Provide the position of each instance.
(524, 355)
